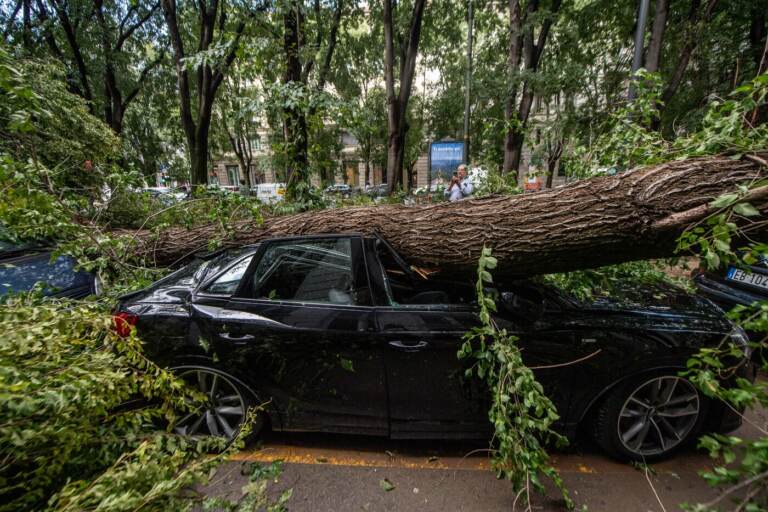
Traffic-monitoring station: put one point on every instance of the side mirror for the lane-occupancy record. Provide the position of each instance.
(528, 307)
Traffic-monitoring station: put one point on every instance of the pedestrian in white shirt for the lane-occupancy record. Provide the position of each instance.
(460, 186)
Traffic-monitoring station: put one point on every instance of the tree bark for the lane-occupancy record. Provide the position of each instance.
(606, 220)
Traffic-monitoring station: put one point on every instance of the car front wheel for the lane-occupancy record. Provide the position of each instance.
(225, 408)
(647, 419)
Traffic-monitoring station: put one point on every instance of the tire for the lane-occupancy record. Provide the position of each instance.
(649, 418)
(225, 411)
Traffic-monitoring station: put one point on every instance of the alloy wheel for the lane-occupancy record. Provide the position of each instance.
(658, 415)
(223, 411)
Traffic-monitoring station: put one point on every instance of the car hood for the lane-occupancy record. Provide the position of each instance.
(658, 300)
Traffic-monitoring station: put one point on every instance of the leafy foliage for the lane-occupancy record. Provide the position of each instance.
(589, 284)
(43, 123)
(521, 414)
(81, 409)
(629, 140)
(742, 465)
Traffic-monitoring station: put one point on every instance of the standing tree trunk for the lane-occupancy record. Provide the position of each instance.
(553, 159)
(294, 118)
(112, 41)
(757, 32)
(115, 104)
(74, 45)
(397, 102)
(634, 215)
(653, 55)
(513, 63)
(295, 129)
(517, 120)
(694, 26)
(197, 128)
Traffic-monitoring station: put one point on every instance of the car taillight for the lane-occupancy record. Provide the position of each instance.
(123, 322)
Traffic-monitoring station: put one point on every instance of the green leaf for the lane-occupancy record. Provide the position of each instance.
(724, 201)
(746, 209)
(712, 259)
(723, 246)
(346, 364)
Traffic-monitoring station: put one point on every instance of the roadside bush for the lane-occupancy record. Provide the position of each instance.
(70, 438)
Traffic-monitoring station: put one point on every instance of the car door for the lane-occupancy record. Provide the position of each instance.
(429, 392)
(421, 322)
(302, 327)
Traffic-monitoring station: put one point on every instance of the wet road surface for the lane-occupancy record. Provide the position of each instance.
(345, 473)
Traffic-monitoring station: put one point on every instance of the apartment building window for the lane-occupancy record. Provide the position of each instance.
(233, 175)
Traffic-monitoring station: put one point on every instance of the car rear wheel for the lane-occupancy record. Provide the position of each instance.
(649, 418)
(225, 408)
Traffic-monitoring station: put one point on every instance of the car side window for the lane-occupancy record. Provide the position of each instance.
(405, 289)
(318, 271)
(227, 283)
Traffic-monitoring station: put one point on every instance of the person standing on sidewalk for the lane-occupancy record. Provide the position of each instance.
(460, 186)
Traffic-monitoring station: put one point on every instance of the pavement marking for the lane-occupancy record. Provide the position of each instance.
(295, 455)
(564, 463)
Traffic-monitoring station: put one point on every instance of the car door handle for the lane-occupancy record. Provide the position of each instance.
(244, 337)
(408, 347)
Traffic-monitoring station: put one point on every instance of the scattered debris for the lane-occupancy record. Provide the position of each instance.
(385, 484)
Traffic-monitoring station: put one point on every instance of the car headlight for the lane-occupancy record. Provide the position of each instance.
(739, 337)
(98, 286)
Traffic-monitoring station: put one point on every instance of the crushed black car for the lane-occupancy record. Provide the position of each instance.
(337, 333)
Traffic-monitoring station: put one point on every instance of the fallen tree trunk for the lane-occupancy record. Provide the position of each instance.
(606, 220)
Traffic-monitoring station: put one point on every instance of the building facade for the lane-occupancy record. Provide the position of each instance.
(226, 172)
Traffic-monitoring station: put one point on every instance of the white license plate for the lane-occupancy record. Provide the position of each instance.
(742, 276)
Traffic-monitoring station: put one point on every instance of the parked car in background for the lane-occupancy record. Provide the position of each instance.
(733, 285)
(165, 195)
(341, 189)
(338, 334)
(376, 190)
(22, 266)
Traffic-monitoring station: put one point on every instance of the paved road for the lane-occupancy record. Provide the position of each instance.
(345, 473)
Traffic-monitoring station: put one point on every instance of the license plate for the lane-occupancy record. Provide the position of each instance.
(742, 276)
